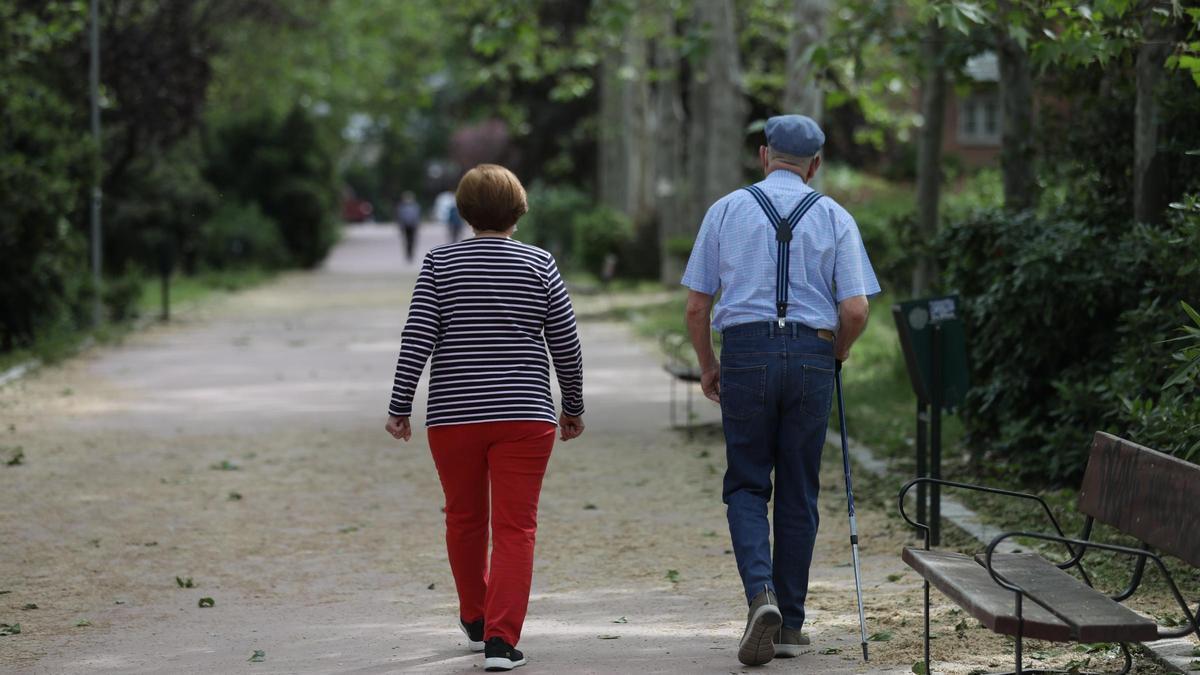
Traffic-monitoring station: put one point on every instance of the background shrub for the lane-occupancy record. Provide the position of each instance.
(239, 235)
(1067, 315)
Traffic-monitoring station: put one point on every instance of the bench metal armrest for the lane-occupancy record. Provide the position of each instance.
(1073, 560)
(1139, 553)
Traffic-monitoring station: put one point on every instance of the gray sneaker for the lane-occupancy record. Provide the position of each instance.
(789, 642)
(762, 623)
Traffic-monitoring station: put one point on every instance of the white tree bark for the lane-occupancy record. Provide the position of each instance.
(718, 125)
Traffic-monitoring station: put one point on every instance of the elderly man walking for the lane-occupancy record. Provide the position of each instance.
(793, 279)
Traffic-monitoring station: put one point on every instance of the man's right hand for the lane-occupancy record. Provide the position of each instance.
(710, 382)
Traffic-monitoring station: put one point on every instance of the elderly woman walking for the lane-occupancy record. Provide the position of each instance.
(486, 309)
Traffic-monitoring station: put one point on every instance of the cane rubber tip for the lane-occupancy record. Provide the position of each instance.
(864, 645)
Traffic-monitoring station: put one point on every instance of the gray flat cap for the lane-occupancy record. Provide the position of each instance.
(797, 135)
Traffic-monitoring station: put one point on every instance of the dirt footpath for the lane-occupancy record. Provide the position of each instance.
(242, 451)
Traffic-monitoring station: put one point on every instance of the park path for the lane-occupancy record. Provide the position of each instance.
(243, 447)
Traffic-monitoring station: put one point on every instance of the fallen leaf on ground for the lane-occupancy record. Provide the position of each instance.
(185, 583)
(207, 602)
(258, 656)
(621, 620)
(30, 605)
(609, 637)
(10, 629)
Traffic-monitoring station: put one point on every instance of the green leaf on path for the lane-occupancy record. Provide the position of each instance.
(30, 605)
(185, 583)
(961, 626)
(881, 636)
(348, 529)
(894, 577)
(82, 623)
(621, 620)
(432, 586)
(589, 507)
(608, 637)
(235, 496)
(258, 656)
(830, 650)
(207, 602)
(673, 576)
(10, 629)
(17, 457)
(224, 465)
(919, 668)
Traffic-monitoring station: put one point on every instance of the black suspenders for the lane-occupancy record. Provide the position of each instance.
(783, 239)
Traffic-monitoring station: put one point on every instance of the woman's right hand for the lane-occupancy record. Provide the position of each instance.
(399, 428)
(569, 426)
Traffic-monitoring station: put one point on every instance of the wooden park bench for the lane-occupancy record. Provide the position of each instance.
(1150, 496)
(675, 346)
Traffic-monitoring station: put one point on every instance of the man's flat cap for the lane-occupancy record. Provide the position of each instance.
(797, 135)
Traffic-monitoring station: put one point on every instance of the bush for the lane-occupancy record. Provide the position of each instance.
(286, 168)
(565, 221)
(45, 161)
(1067, 314)
(239, 235)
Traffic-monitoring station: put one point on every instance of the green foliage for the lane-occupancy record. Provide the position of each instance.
(284, 166)
(44, 157)
(239, 235)
(565, 221)
(1067, 314)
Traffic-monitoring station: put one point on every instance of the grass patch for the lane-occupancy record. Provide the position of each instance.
(187, 290)
(62, 342)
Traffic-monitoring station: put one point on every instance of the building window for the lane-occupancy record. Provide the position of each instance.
(979, 119)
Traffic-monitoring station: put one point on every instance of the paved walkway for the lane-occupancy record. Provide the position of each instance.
(243, 447)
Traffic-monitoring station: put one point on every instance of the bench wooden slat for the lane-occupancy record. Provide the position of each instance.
(685, 373)
(1145, 493)
(1098, 617)
(968, 584)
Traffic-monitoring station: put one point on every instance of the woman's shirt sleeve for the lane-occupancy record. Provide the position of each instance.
(563, 341)
(418, 340)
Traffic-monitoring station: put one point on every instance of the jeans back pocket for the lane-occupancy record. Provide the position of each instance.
(743, 391)
(818, 391)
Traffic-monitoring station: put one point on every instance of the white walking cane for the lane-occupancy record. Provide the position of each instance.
(862, 619)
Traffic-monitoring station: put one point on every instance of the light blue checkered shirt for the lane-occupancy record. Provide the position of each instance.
(735, 254)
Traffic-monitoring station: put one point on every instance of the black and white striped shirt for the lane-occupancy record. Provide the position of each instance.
(486, 309)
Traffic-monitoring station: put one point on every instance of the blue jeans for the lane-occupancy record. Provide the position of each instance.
(776, 390)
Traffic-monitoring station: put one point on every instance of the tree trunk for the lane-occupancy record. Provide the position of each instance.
(929, 154)
(802, 93)
(1149, 170)
(718, 109)
(667, 137)
(1016, 137)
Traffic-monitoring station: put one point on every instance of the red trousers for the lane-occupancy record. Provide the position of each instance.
(507, 459)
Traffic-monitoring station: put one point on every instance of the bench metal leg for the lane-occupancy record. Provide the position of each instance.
(928, 666)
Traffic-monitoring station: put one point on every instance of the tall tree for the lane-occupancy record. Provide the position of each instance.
(1149, 185)
(1016, 103)
(718, 107)
(802, 93)
(929, 149)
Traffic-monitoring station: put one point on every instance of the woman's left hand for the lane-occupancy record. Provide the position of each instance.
(569, 426)
(399, 428)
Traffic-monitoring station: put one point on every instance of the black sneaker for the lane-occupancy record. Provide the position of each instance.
(498, 655)
(474, 633)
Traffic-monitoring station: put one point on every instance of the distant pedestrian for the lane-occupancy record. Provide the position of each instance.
(793, 280)
(487, 310)
(408, 216)
(454, 223)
